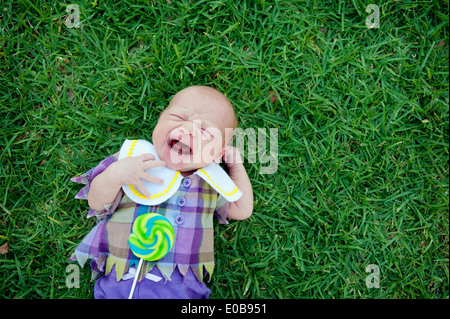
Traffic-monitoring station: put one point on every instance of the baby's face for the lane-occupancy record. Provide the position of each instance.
(193, 130)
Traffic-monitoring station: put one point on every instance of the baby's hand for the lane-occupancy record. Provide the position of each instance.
(232, 156)
(243, 207)
(131, 170)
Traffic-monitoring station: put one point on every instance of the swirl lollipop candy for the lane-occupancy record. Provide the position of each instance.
(151, 239)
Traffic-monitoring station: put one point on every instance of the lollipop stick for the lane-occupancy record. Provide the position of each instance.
(136, 276)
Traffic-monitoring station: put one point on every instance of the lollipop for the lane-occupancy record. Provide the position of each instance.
(151, 239)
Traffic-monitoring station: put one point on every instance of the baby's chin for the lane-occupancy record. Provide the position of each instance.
(185, 170)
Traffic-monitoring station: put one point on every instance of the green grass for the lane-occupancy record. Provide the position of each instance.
(362, 117)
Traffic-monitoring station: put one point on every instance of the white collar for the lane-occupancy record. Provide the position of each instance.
(213, 174)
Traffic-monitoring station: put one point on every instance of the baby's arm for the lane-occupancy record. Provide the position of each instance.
(130, 170)
(243, 207)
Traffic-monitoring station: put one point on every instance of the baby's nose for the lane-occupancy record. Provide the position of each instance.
(186, 130)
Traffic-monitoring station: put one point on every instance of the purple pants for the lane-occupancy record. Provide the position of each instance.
(179, 287)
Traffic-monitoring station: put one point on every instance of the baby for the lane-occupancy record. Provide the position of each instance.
(191, 137)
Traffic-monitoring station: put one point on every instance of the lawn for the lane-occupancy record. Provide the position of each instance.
(363, 136)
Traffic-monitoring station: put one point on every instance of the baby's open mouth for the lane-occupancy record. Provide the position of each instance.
(179, 148)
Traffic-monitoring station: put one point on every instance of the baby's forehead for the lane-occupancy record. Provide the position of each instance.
(204, 110)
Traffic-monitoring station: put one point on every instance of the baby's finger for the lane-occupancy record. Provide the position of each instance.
(151, 164)
(152, 179)
(146, 157)
(228, 154)
(140, 186)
